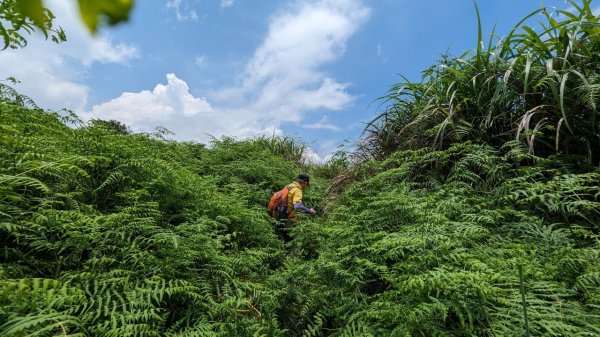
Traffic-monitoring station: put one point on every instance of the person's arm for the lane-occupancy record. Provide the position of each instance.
(301, 207)
(297, 202)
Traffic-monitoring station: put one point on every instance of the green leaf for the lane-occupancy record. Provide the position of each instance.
(115, 11)
(34, 10)
(562, 101)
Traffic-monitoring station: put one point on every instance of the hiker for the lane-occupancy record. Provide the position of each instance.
(285, 203)
(294, 199)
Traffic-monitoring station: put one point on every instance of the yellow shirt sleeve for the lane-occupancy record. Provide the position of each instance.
(294, 196)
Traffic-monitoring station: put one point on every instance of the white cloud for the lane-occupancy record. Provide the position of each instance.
(171, 105)
(322, 151)
(226, 3)
(323, 124)
(162, 104)
(182, 11)
(283, 80)
(280, 84)
(52, 74)
(312, 157)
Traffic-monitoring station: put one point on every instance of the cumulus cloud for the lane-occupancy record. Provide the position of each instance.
(281, 83)
(52, 74)
(165, 102)
(172, 106)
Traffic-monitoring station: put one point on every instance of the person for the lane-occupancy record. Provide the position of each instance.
(294, 198)
(294, 204)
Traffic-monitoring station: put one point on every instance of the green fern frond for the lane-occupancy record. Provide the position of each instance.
(10, 94)
(16, 182)
(42, 324)
(588, 281)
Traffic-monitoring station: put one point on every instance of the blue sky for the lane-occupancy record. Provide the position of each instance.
(311, 69)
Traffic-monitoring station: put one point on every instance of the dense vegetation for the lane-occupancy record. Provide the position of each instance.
(110, 234)
(471, 208)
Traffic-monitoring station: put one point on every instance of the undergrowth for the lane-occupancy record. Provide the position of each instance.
(471, 208)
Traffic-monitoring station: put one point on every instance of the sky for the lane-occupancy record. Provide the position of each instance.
(203, 69)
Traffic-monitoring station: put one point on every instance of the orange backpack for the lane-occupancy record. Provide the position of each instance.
(278, 204)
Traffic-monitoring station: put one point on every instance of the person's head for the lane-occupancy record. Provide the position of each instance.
(303, 180)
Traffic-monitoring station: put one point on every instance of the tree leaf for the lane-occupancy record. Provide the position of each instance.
(35, 11)
(115, 11)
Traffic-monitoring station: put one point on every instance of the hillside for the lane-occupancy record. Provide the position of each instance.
(471, 207)
(113, 233)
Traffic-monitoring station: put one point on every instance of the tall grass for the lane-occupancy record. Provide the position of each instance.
(539, 84)
(289, 147)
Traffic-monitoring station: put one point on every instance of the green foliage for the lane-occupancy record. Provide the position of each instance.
(536, 84)
(17, 17)
(475, 210)
(430, 243)
(108, 233)
(94, 12)
(464, 213)
(26, 16)
(290, 148)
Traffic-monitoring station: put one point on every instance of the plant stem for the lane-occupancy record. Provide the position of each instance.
(523, 300)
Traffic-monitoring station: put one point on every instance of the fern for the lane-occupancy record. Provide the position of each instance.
(42, 324)
(8, 94)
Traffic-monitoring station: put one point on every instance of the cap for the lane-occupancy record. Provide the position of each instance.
(304, 177)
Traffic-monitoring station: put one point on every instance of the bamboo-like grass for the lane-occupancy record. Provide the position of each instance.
(289, 147)
(538, 84)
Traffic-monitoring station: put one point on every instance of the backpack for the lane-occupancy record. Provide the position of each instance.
(278, 207)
